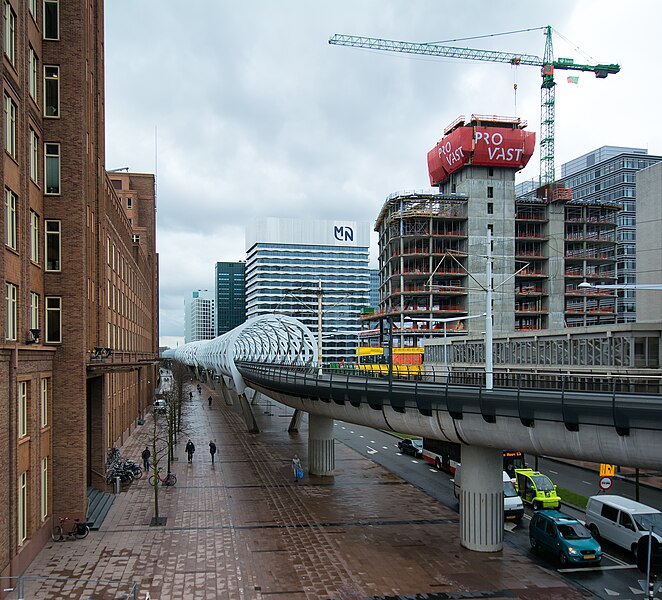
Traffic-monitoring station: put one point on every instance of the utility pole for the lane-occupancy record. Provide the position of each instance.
(489, 363)
(320, 295)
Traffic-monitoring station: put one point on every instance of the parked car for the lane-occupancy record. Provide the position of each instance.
(160, 406)
(621, 520)
(536, 489)
(411, 446)
(563, 536)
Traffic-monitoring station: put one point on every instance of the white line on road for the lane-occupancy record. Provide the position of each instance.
(553, 472)
(361, 436)
(351, 432)
(585, 569)
(371, 450)
(587, 483)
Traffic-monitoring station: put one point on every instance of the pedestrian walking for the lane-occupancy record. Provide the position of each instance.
(296, 468)
(146, 454)
(212, 450)
(209, 401)
(199, 389)
(190, 449)
(190, 395)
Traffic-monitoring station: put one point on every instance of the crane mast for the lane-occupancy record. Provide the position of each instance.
(547, 64)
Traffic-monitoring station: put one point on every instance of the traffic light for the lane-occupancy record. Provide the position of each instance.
(656, 555)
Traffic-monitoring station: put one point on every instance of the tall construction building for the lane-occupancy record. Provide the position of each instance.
(297, 266)
(230, 295)
(199, 316)
(80, 274)
(434, 249)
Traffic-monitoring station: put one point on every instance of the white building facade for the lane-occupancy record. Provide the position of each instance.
(200, 316)
(289, 261)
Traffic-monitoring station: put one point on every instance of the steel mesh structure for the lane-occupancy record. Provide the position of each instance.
(275, 339)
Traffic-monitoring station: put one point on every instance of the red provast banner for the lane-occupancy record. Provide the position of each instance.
(452, 152)
(500, 147)
(480, 145)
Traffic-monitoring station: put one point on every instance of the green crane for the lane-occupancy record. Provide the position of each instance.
(547, 66)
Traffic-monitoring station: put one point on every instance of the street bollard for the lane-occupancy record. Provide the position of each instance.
(118, 485)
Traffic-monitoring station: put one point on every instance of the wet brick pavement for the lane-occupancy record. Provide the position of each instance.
(242, 529)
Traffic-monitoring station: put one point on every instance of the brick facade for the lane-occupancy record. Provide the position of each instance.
(106, 281)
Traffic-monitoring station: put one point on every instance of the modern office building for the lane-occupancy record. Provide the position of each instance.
(649, 244)
(230, 295)
(434, 248)
(80, 274)
(607, 176)
(374, 288)
(297, 266)
(199, 316)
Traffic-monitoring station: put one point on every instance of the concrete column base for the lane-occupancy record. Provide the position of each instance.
(247, 412)
(481, 499)
(295, 421)
(321, 445)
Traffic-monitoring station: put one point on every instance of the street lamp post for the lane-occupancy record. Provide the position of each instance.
(319, 325)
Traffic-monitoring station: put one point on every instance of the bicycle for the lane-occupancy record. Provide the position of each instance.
(78, 530)
(169, 479)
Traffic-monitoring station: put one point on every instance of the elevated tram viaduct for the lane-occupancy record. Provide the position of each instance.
(276, 355)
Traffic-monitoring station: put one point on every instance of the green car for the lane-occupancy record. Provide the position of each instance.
(565, 537)
(536, 489)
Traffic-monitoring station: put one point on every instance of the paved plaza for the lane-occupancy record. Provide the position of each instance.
(242, 529)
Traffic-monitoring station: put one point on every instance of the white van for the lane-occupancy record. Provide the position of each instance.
(513, 509)
(621, 520)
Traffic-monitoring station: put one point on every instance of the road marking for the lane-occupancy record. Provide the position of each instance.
(586, 482)
(361, 436)
(371, 450)
(636, 591)
(611, 592)
(414, 461)
(372, 441)
(585, 569)
(554, 472)
(385, 447)
(434, 470)
(353, 432)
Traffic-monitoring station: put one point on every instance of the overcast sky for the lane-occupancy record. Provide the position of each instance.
(257, 115)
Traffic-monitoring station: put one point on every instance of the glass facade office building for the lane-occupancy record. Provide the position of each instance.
(289, 260)
(230, 295)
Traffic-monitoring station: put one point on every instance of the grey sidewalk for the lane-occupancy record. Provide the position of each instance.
(241, 529)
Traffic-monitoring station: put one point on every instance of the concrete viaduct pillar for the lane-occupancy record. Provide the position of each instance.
(321, 450)
(481, 499)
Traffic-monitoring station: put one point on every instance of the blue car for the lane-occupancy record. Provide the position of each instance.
(563, 536)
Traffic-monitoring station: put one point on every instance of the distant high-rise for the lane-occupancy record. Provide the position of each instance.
(374, 288)
(199, 316)
(288, 259)
(230, 295)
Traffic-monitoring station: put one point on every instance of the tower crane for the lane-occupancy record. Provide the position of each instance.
(547, 66)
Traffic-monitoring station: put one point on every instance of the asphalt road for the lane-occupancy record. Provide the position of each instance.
(615, 579)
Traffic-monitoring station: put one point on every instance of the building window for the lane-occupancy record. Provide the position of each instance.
(33, 8)
(490, 171)
(34, 156)
(52, 168)
(22, 409)
(44, 488)
(51, 20)
(136, 238)
(10, 126)
(51, 91)
(34, 237)
(34, 310)
(11, 295)
(490, 208)
(32, 83)
(44, 401)
(490, 191)
(53, 319)
(10, 219)
(10, 33)
(22, 514)
(129, 203)
(53, 245)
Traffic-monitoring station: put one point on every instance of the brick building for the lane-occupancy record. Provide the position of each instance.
(80, 274)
